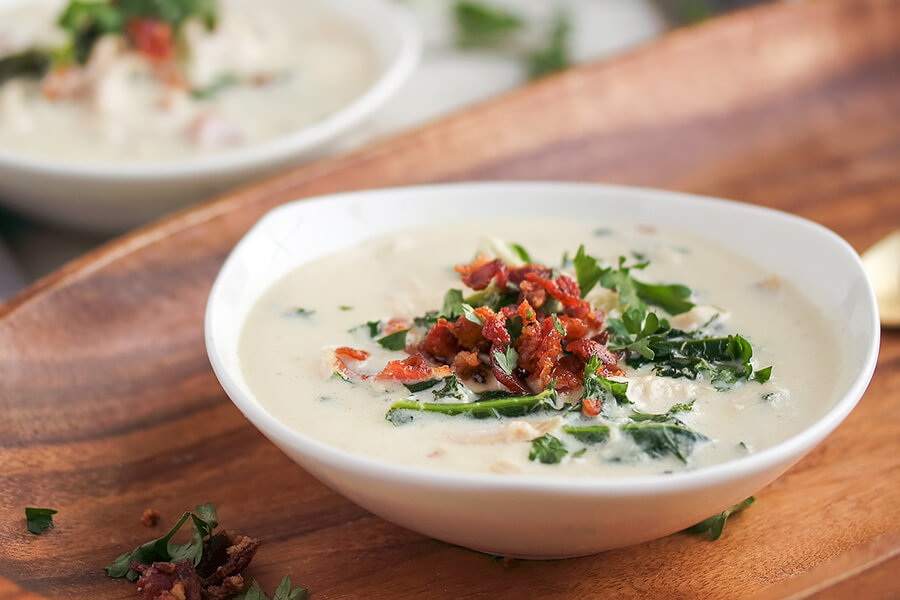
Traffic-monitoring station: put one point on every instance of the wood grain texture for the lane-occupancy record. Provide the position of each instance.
(109, 406)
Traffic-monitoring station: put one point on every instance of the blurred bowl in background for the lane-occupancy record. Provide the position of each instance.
(108, 197)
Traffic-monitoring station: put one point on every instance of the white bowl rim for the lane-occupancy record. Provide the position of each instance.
(658, 484)
(280, 148)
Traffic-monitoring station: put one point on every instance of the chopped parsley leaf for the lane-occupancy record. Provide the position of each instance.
(394, 341)
(599, 387)
(162, 550)
(507, 362)
(39, 519)
(344, 307)
(373, 326)
(559, 326)
(303, 312)
(479, 24)
(453, 301)
(547, 449)
(522, 253)
(471, 315)
(220, 84)
(555, 55)
(514, 327)
(284, 591)
(428, 320)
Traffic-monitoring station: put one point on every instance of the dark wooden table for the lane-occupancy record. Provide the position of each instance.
(108, 405)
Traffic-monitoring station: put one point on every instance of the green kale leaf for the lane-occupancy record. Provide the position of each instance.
(659, 439)
(716, 523)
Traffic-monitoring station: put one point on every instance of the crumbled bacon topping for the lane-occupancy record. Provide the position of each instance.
(217, 577)
(553, 331)
(152, 38)
(544, 352)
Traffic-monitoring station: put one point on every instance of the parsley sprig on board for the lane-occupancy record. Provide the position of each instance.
(163, 550)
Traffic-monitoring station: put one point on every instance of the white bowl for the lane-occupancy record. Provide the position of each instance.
(530, 516)
(110, 197)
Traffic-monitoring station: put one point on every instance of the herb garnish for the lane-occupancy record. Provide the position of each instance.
(716, 523)
(633, 294)
(394, 341)
(507, 361)
(667, 417)
(427, 321)
(599, 387)
(220, 84)
(163, 550)
(505, 406)
(453, 301)
(39, 519)
(588, 434)
(284, 591)
(28, 63)
(452, 389)
(470, 314)
(555, 55)
(422, 385)
(659, 439)
(559, 326)
(522, 253)
(514, 327)
(304, 312)
(344, 307)
(547, 449)
(479, 24)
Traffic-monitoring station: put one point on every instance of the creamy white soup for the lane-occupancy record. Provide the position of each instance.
(126, 85)
(680, 354)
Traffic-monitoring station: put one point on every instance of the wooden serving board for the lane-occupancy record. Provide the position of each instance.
(108, 405)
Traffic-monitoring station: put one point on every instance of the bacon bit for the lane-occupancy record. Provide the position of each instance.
(602, 337)
(152, 38)
(575, 328)
(344, 354)
(539, 348)
(440, 342)
(494, 328)
(150, 517)
(562, 288)
(412, 370)
(468, 333)
(568, 373)
(585, 349)
(591, 407)
(518, 275)
(465, 364)
(476, 264)
(532, 293)
(395, 325)
(481, 277)
(351, 353)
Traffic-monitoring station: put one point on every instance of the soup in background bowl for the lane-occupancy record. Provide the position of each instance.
(152, 115)
(671, 441)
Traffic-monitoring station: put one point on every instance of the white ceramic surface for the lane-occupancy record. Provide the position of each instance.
(113, 197)
(528, 516)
